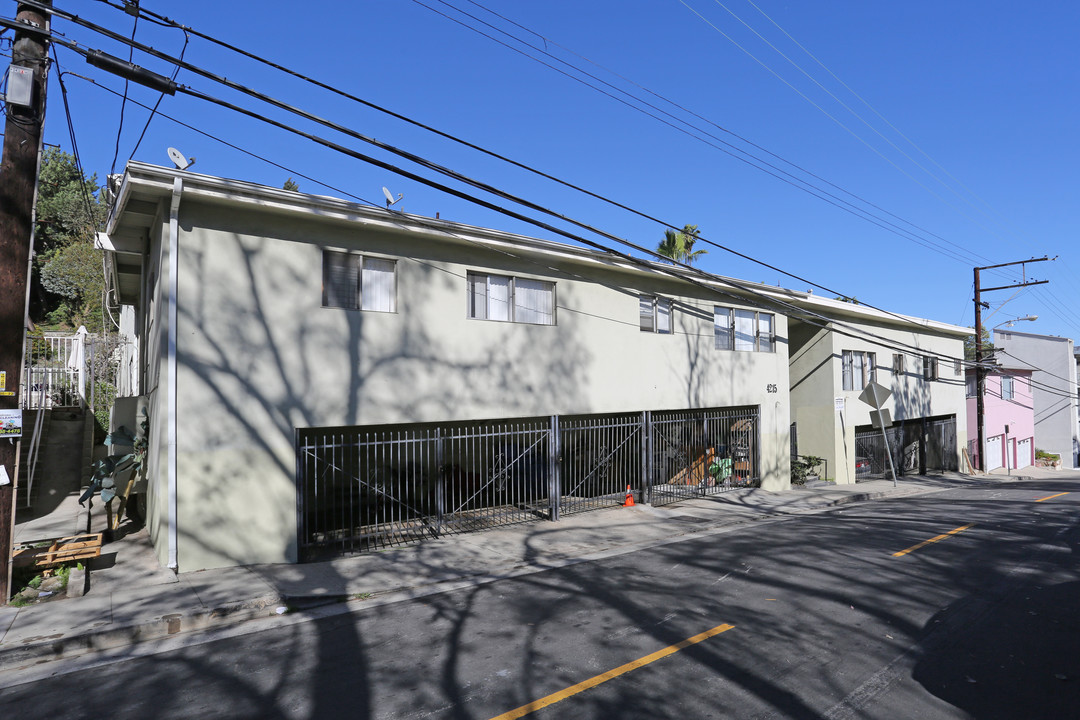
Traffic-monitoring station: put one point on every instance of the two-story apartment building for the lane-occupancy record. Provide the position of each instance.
(279, 332)
(837, 348)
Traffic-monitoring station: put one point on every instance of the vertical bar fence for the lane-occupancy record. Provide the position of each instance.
(365, 488)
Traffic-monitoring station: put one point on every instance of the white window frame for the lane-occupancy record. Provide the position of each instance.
(482, 289)
(654, 314)
(863, 361)
(930, 368)
(1010, 392)
(743, 330)
(971, 386)
(359, 290)
(898, 363)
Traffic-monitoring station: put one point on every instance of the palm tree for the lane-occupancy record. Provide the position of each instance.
(679, 246)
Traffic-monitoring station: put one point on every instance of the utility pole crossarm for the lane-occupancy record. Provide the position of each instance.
(1018, 285)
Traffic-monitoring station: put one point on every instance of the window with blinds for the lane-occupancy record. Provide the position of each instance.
(511, 299)
(858, 368)
(655, 314)
(744, 330)
(359, 282)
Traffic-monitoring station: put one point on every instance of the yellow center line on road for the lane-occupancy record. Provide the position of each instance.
(611, 674)
(924, 543)
(1051, 497)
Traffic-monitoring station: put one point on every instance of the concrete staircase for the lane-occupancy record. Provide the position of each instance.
(53, 508)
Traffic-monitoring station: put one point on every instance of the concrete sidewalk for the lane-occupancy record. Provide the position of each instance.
(135, 600)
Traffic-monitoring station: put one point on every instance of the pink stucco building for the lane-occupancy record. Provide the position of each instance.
(1008, 418)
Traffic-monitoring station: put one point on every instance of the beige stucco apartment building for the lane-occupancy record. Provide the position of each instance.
(838, 347)
(260, 311)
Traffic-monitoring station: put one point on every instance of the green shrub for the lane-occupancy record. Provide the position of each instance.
(801, 468)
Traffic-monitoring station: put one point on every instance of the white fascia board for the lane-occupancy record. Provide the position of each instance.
(841, 311)
(158, 180)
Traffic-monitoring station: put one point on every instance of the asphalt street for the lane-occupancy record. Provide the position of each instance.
(948, 605)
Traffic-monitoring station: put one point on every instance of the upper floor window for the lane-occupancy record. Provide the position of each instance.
(929, 368)
(359, 282)
(655, 313)
(511, 299)
(898, 363)
(745, 330)
(1008, 391)
(859, 368)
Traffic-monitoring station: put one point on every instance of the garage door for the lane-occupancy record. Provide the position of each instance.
(1023, 453)
(993, 453)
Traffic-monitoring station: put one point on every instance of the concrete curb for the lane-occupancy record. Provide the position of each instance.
(49, 648)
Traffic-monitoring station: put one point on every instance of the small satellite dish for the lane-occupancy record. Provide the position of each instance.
(390, 197)
(179, 160)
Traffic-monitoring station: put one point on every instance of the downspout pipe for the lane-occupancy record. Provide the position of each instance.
(174, 266)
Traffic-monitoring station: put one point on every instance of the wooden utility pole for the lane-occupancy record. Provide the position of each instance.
(18, 182)
(980, 367)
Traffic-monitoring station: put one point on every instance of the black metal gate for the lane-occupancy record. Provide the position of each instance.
(701, 452)
(600, 457)
(904, 439)
(362, 488)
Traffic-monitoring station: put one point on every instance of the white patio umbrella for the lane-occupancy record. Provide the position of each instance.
(77, 361)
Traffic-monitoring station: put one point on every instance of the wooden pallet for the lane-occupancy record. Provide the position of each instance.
(58, 551)
(697, 472)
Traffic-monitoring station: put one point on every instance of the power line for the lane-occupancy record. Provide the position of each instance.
(123, 102)
(74, 142)
(228, 144)
(828, 114)
(754, 161)
(744, 288)
(410, 156)
(844, 105)
(875, 111)
(161, 97)
(440, 227)
(773, 170)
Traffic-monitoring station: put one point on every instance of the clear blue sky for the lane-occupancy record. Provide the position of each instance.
(957, 120)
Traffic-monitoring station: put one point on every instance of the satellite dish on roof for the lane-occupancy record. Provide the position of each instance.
(179, 160)
(390, 197)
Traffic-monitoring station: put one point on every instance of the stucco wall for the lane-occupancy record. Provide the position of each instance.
(1017, 414)
(153, 340)
(817, 383)
(259, 356)
(1054, 388)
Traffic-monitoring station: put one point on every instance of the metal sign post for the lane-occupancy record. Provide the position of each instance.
(875, 396)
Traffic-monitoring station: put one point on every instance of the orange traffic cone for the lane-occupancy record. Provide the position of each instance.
(629, 498)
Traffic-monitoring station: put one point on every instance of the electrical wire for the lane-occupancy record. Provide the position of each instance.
(851, 110)
(123, 102)
(824, 195)
(410, 156)
(874, 110)
(228, 144)
(753, 161)
(827, 114)
(743, 288)
(161, 97)
(74, 142)
(680, 118)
